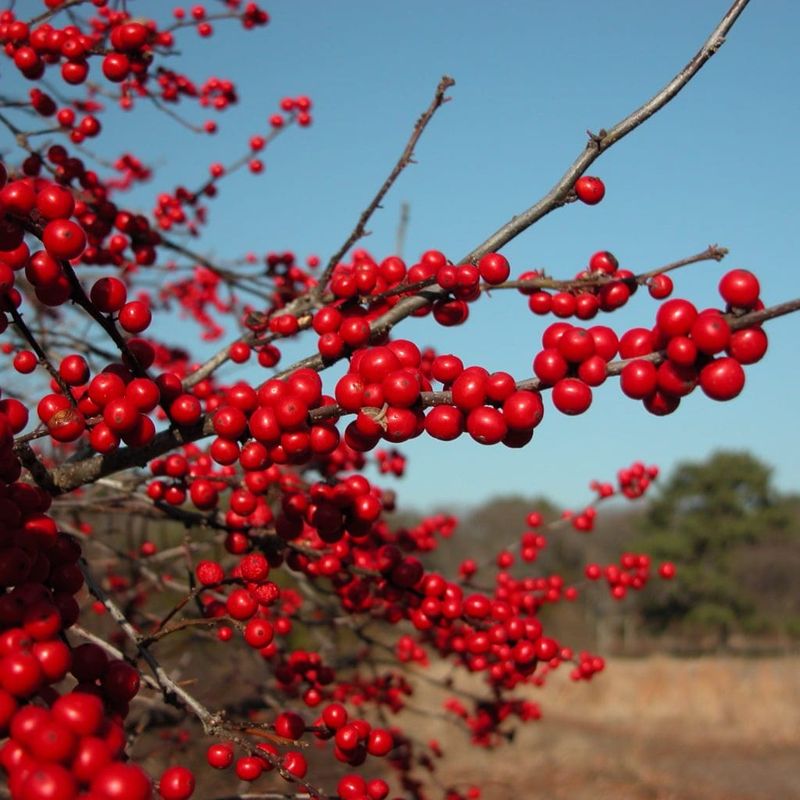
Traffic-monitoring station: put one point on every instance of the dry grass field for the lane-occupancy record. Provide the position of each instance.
(651, 729)
(655, 728)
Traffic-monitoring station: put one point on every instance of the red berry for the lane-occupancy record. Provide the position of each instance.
(176, 783)
(63, 238)
(75, 71)
(134, 317)
(638, 379)
(295, 764)
(571, 396)
(25, 362)
(258, 633)
(219, 756)
(49, 782)
(20, 674)
(722, 379)
(748, 345)
(590, 190)
(523, 410)
(229, 422)
(550, 366)
(576, 345)
(120, 415)
(606, 342)
(74, 370)
(444, 422)
(739, 288)
(710, 332)
(81, 712)
(122, 782)
(186, 410)
(380, 742)
(66, 425)
(109, 294)
(676, 317)
(494, 268)
(667, 570)
(486, 425)
(290, 725)
(116, 67)
(682, 350)
(604, 262)
(660, 286)
(120, 681)
(593, 371)
(249, 768)
(55, 202)
(469, 388)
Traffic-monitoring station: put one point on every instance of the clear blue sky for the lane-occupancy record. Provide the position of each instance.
(719, 164)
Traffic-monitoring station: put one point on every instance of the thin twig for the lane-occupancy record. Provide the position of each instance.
(405, 159)
(402, 229)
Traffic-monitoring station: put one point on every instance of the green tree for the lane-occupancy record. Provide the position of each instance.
(705, 514)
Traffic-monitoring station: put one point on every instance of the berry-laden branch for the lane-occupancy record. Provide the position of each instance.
(70, 476)
(213, 724)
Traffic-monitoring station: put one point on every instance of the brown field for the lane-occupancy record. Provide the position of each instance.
(654, 728)
(658, 728)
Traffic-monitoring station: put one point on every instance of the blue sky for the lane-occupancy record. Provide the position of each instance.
(719, 165)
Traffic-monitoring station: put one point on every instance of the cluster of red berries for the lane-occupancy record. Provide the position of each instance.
(385, 281)
(635, 480)
(353, 739)
(303, 673)
(701, 348)
(131, 170)
(572, 361)
(266, 757)
(498, 635)
(128, 46)
(58, 742)
(484, 723)
(250, 604)
(173, 210)
(587, 296)
(251, 16)
(34, 49)
(197, 294)
(391, 462)
(632, 572)
(575, 359)
(99, 234)
(632, 482)
(122, 401)
(385, 383)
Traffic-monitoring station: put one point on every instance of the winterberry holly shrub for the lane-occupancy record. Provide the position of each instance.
(288, 558)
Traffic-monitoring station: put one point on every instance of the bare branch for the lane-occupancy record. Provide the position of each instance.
(562, 192)
(405, 159)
